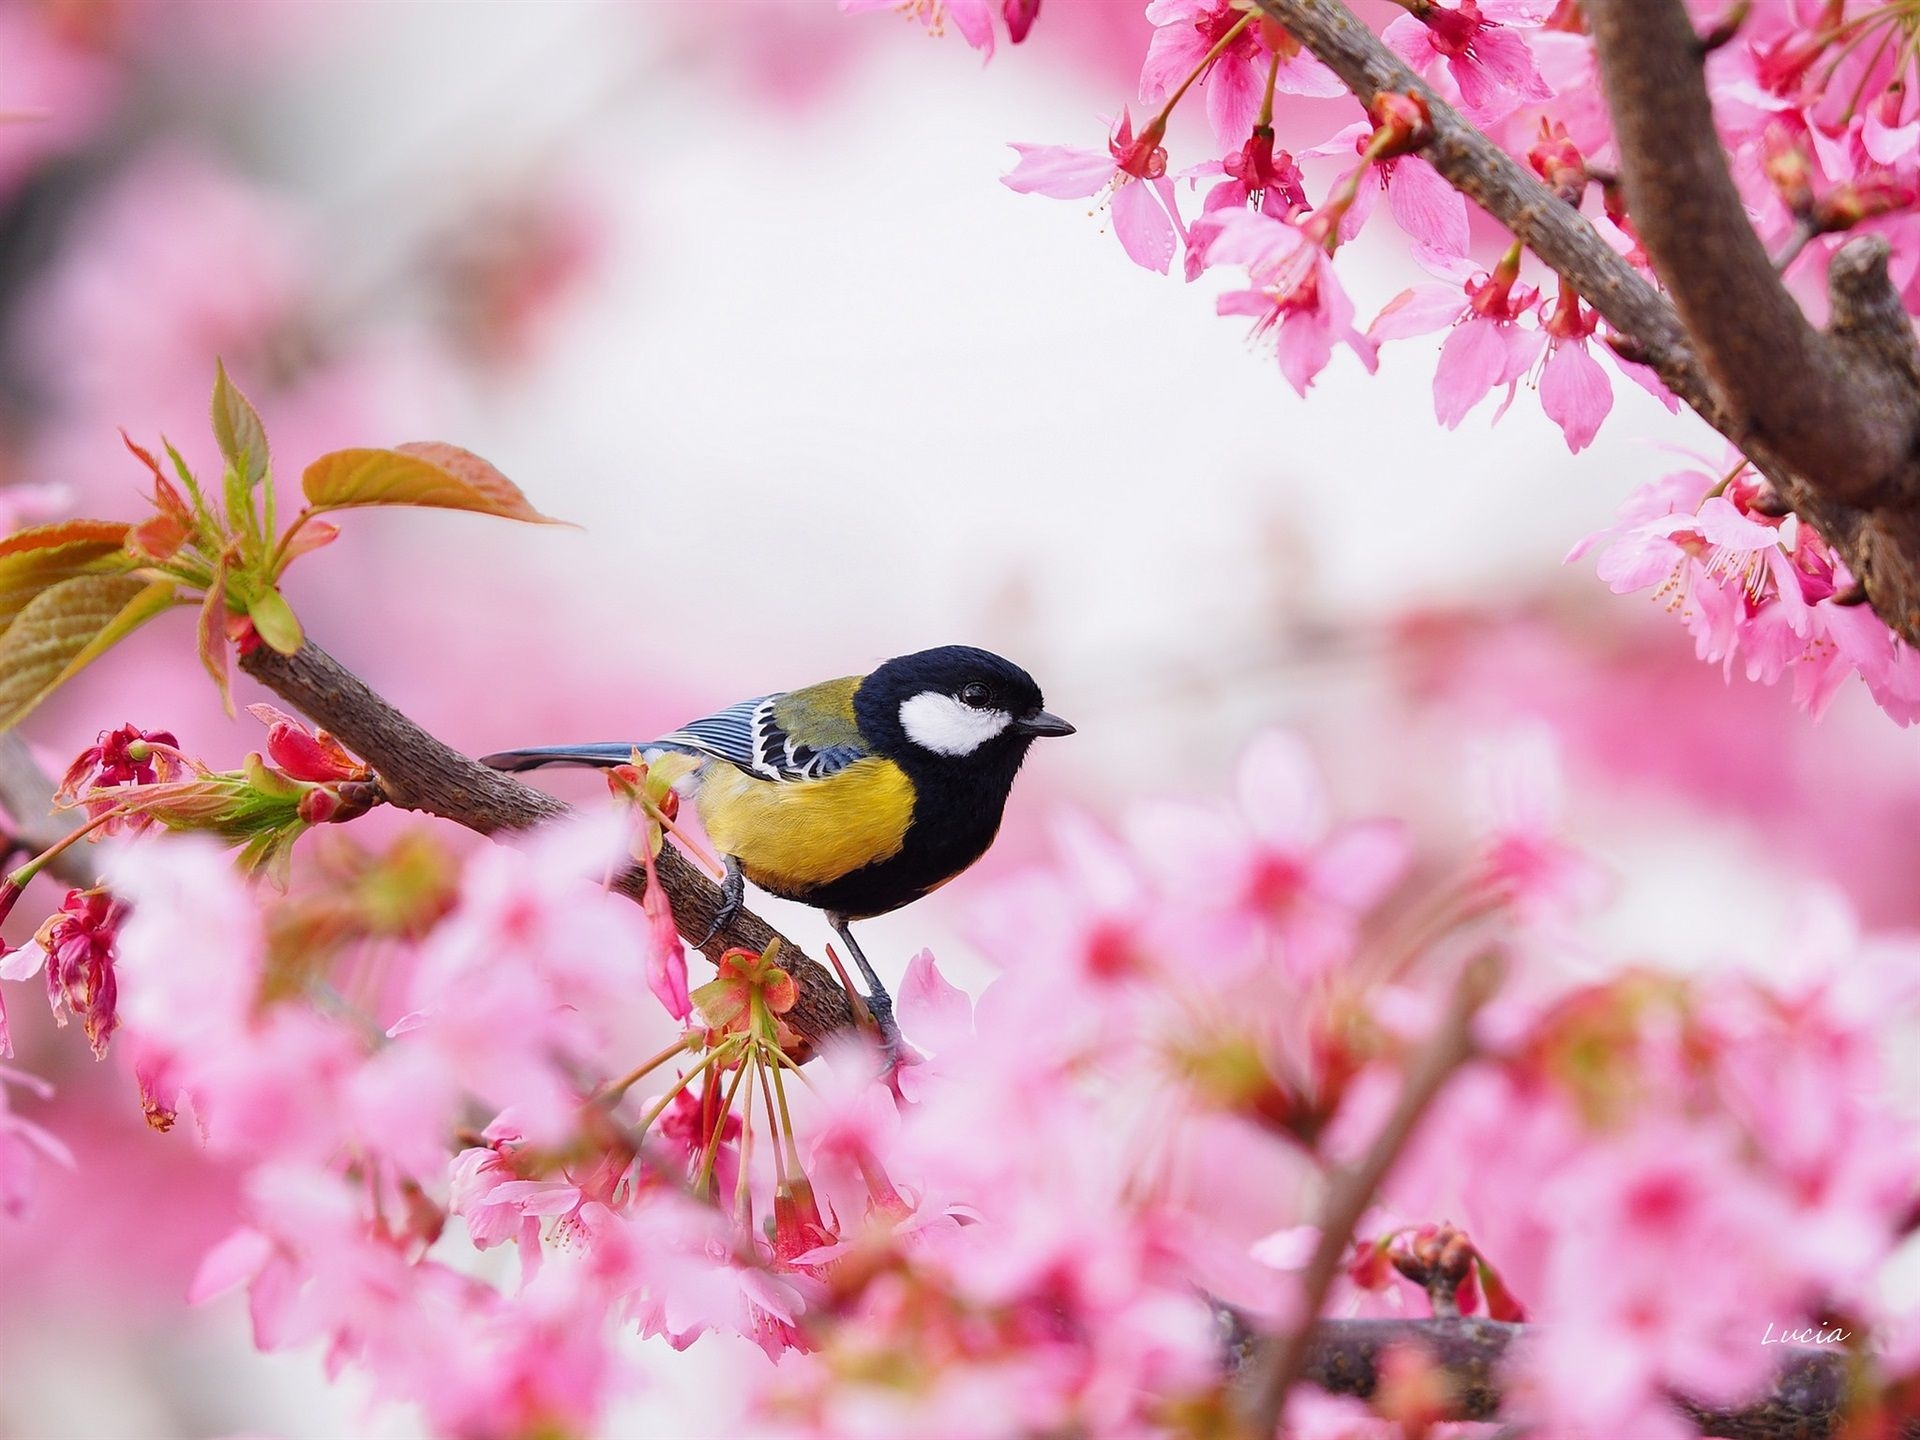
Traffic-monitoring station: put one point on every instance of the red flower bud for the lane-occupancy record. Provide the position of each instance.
(311, 755)
(1019, 15)
(1558, 161)
(1143, 157)
(1402, 124)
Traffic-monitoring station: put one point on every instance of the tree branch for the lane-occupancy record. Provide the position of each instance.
(1807, 1401)
(418, 772)
(1446, 1051)
(1872, 336)
(1848, 427)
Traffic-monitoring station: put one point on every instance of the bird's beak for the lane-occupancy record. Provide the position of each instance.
(1041, 723)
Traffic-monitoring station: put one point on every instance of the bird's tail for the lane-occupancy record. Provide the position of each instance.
(603, 757)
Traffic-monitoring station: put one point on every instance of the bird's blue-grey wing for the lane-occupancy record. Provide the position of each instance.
(798, 735)
(776, 737)
(730, 734)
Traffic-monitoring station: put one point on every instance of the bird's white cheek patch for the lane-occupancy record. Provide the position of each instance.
(943, 725)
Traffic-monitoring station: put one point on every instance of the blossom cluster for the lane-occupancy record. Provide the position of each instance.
(1028, 1220)
(1816, 103)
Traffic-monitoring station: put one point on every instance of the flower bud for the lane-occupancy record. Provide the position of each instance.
(1402, 124)
(1019, 15)
(1558, 161)
(1143, 157)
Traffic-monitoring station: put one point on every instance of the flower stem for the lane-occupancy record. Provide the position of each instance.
(712, 1152)
(611, 1094)
(681, 1084)
(1219, 49)
(1265, 122)
(33, 867)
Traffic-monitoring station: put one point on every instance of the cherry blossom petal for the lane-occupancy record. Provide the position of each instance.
(1431, 211)
(1575, 393)
(1065, 172)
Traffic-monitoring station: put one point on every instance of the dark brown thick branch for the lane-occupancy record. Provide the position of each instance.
(1807, 1400)
(1872, 333)
(1446, 1050)
(418, 772)
(1844, 422)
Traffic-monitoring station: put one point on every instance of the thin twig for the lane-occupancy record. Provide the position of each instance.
(1446, 1050)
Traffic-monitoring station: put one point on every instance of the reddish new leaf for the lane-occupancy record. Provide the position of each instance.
(32, 560)
(441, 477)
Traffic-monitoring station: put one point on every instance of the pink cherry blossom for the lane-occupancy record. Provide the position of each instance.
(1295, 295)
(1478, 45)
(1574, 390)
(1429, 211)
(1278, 854)
(1187, 30)
(1486, 347)
(1132, 174)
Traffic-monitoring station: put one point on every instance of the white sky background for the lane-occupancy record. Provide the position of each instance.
(872, 397)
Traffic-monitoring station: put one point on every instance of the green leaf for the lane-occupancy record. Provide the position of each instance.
(32, 560)
(275, 620)
(237, 428)
(441, 477)
(65, 627)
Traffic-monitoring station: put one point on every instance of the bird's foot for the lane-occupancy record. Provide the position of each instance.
(893, 1051)
(733, 892)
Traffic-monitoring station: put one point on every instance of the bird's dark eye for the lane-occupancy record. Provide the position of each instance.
(976, 695)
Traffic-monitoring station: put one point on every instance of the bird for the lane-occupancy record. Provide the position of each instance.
(856, 796)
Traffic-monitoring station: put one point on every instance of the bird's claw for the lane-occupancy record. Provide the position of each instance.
(722, 918)
(880, 1005)
(733, 891)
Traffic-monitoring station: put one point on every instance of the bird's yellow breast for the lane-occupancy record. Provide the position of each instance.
(791, 837)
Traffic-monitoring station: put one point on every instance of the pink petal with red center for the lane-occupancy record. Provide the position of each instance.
(1411, 41)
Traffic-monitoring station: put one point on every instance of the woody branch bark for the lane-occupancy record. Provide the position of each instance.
(1831, 418)
(1806, 1401)
(419, 772)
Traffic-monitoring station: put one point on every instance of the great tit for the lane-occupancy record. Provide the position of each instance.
(856, 796)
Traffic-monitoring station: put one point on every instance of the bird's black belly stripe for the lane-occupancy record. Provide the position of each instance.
(956, 814)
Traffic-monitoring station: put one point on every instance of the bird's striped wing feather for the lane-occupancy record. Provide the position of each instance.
(750, 735)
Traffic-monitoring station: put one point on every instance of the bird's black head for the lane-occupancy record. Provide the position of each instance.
(956, 705)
